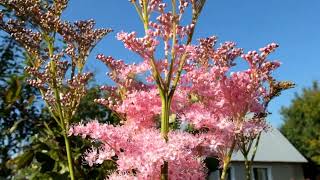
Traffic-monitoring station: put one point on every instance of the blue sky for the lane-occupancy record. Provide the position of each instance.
(294, 24)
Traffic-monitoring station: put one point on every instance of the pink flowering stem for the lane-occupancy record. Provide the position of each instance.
(166, 91)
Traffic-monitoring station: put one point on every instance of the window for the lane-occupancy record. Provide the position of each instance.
(261, 173)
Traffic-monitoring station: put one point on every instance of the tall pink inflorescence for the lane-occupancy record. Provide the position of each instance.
(210, 109)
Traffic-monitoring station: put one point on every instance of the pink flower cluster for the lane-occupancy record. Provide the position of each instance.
(143, 151)
(211, 106)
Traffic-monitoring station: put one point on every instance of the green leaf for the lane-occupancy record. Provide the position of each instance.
(21, 161)
(13, 91)
(15, 125)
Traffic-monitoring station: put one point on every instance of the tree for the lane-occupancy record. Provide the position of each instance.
(18, 109)
(302, 122)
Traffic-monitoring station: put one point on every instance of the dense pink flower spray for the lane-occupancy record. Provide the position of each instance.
(190, 94)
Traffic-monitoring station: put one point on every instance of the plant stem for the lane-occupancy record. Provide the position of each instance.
(226, 161)
(164, 131)
(163, 89)
(164, 171)
(145, 15)
(164, 85)
(69, 156)
(224, 171)
(65, 125)
(165, 117)
(247, 168)
(255, 148)
(245, 152)
(63, 121)
(174, 39)
(247, 164)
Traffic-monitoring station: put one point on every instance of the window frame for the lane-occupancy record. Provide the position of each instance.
(269, 171)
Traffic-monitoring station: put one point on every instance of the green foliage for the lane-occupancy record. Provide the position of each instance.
(46, 156)
(302, 122)
(10, 59)
(18, 111)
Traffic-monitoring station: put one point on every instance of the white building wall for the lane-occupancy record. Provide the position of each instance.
(278, 171)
